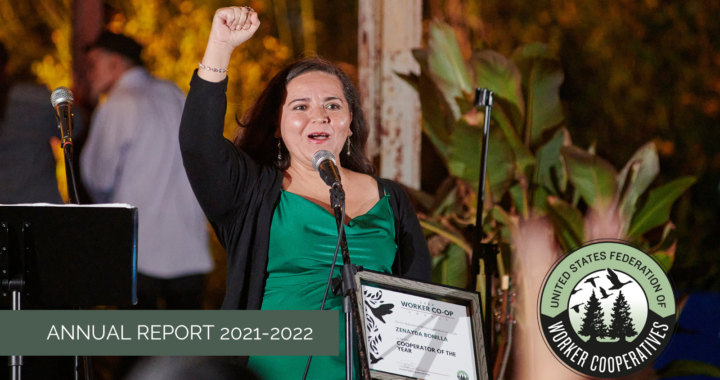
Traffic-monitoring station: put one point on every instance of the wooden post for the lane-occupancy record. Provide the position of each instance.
(389, 29)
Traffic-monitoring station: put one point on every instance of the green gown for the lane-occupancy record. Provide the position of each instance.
(302, 242)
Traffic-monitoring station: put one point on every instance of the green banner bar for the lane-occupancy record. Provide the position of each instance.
(168, 332)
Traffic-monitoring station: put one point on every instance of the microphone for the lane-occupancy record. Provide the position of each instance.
(62, 100)
(324, 162)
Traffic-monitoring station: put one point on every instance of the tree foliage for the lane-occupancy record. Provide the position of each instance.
(38, 35)
(593, 324)
(621, 325)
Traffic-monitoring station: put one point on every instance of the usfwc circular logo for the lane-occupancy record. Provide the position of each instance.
(607, 310)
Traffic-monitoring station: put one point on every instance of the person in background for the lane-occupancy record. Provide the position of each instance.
(27, 125)
(27, 175)
(132, 156)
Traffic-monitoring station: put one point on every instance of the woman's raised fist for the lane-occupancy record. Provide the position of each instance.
(233, 26)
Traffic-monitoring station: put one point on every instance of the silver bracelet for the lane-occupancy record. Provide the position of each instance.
(211, 68)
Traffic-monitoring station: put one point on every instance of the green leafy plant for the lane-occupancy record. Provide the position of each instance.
(534, 171)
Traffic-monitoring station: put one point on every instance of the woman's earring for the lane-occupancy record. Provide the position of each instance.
(348, 148)
(279, 151)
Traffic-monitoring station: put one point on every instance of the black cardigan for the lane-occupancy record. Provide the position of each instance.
(239, 197)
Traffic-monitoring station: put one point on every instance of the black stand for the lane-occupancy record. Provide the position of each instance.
(484, 251)
(67, 147)
(64, 119)
(47, 259)
(15, 285)
(349, 291)
(70, 173)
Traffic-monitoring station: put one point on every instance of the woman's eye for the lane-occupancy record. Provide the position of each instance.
(332, 106)
(300, 108)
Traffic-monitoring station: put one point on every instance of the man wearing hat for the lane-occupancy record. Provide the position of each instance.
(132, 156)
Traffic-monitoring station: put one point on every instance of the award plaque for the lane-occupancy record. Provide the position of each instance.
(417, 330)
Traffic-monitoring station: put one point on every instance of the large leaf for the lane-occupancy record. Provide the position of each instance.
(507, 224)
(465, 104)
(656, 211)
(594, 178)
(453, 236)
(575, 193)
(447, 204)
(517, 195)
(499, 74)
(550, 173)
(452, 268)
(438, 118)
(465, 153)
(539, 196)
(567, 222)
(549, 177)
(446, 192)
(542, 77)
(637, 175)
(665, 259)
(502, 115)
(446, 64)
(434, 128)
(667, 240)
(425, 200)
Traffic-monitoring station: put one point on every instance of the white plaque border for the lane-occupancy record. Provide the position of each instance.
(434, 291)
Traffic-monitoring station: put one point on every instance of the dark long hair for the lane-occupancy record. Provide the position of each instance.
(256, 135)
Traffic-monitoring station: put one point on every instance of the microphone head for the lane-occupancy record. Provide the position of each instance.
(321, 156)
(61, 95)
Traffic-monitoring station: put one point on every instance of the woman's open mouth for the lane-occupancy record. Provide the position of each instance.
(318, 137)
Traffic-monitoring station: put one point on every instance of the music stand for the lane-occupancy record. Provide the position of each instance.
(56, 256)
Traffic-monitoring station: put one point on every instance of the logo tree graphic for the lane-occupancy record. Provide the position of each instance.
(621, 325)
(593, 324)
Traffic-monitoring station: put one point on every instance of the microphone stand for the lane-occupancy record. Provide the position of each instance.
(16, 285)
(484, 251)
(67, 146)
(349, 288)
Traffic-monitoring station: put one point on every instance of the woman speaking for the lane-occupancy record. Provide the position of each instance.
(269, 207)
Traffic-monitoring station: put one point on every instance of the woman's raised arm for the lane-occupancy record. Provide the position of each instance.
(219, 173)
(231, 27)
